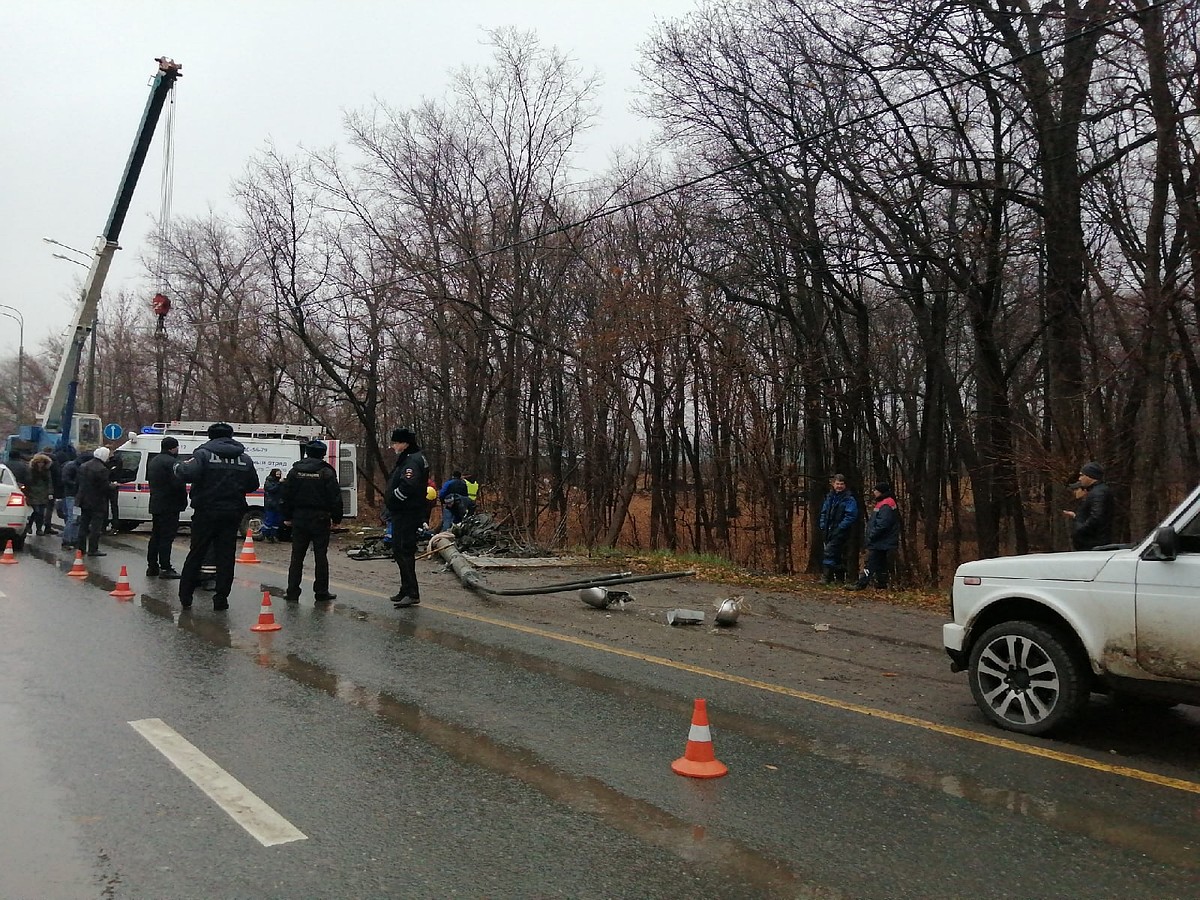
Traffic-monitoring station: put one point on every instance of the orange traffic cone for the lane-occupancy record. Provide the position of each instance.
(266, 618)
(122, 590)
(9, 558)
(77, 570)
(248, 555)
(698, 760)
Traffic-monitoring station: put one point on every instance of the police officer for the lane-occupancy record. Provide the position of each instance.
(312, 503)
(405, 500)
(221, 475)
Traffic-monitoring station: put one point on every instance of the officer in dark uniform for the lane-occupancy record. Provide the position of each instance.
(312, 504)
(405, 500)
(221, 475)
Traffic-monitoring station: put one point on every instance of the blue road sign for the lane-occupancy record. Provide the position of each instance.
(113, 431)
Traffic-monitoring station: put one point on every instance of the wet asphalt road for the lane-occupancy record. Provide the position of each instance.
(429, 753)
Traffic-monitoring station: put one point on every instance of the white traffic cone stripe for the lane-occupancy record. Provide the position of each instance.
(699, 733)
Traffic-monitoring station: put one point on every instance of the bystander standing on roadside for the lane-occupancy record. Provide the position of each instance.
(883, 536)
(70, 476)
(311, 504)
(839, 512)
(39, 494)
(92, 497)
(1091, 522)
(168, 498)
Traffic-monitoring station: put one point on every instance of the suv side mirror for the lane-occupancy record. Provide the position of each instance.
(1164, 546)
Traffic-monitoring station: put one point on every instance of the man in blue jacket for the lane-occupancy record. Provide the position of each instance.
(839, 512)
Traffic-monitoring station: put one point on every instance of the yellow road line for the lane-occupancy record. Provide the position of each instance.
(899, 718)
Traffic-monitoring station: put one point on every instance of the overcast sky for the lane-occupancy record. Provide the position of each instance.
(74, 78)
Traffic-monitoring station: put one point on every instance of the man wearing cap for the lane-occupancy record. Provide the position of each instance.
(1091, 524)
(221, 475)
(311, 504)
(168, 498)
(405, 501)
(882, 537)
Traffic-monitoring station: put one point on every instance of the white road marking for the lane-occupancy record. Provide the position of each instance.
(242, 805)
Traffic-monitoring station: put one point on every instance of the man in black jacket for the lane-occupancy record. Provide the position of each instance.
(1091, 524)
(92, 497)
(882, 537)
(221, 475)
(312, 504)
(405, 501)
(168, 498)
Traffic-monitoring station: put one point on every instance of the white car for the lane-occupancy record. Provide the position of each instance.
(1039, 633)
(14, 510)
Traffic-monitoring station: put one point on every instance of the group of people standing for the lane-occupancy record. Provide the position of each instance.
(83, 488)
(839, 512)
(1091, 525)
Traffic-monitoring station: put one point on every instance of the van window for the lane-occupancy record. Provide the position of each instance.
(127, 465)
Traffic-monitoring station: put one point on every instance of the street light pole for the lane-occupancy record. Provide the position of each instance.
(14, 313)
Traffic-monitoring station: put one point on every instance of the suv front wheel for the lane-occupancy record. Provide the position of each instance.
(1027, 677)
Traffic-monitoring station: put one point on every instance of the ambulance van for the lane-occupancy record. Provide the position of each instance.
(271, 446)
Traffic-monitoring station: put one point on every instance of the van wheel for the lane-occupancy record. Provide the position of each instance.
(252, 520)
(1027, 677)
(126, 524)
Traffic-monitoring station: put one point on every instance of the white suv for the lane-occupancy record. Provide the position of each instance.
(1038, 633)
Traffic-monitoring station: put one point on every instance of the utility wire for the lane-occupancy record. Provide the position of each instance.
(611, 210)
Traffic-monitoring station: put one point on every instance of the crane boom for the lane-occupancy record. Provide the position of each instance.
(60, 407)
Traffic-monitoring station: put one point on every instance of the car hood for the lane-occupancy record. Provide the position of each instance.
(1082, 565)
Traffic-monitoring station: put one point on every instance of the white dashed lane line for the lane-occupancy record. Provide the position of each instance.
(242, 805)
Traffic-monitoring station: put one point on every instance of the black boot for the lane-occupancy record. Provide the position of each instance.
(863, 580)
(826, 575)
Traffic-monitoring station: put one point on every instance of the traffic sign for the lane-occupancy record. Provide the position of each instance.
(113, 431)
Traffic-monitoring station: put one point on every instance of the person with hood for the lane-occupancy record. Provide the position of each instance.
(312, 505)
(883, 536)
(272, 507)
(39, 493)
(452, 490)
(405, 501)
(1091, 523)
(92, 497)
(221, 475)
(839, 512)
(168, 498)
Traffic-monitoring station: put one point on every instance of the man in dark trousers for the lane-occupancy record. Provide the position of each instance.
(312, 504)
(405, 500)
(839, 512)
(168, 498)
(221, 475)
(92, 496)
(883, 536)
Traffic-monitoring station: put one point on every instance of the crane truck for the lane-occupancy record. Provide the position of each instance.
(60, 425)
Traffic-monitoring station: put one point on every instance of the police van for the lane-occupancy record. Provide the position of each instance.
(271, 446)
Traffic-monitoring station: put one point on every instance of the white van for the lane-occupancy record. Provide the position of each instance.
(271, 446)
